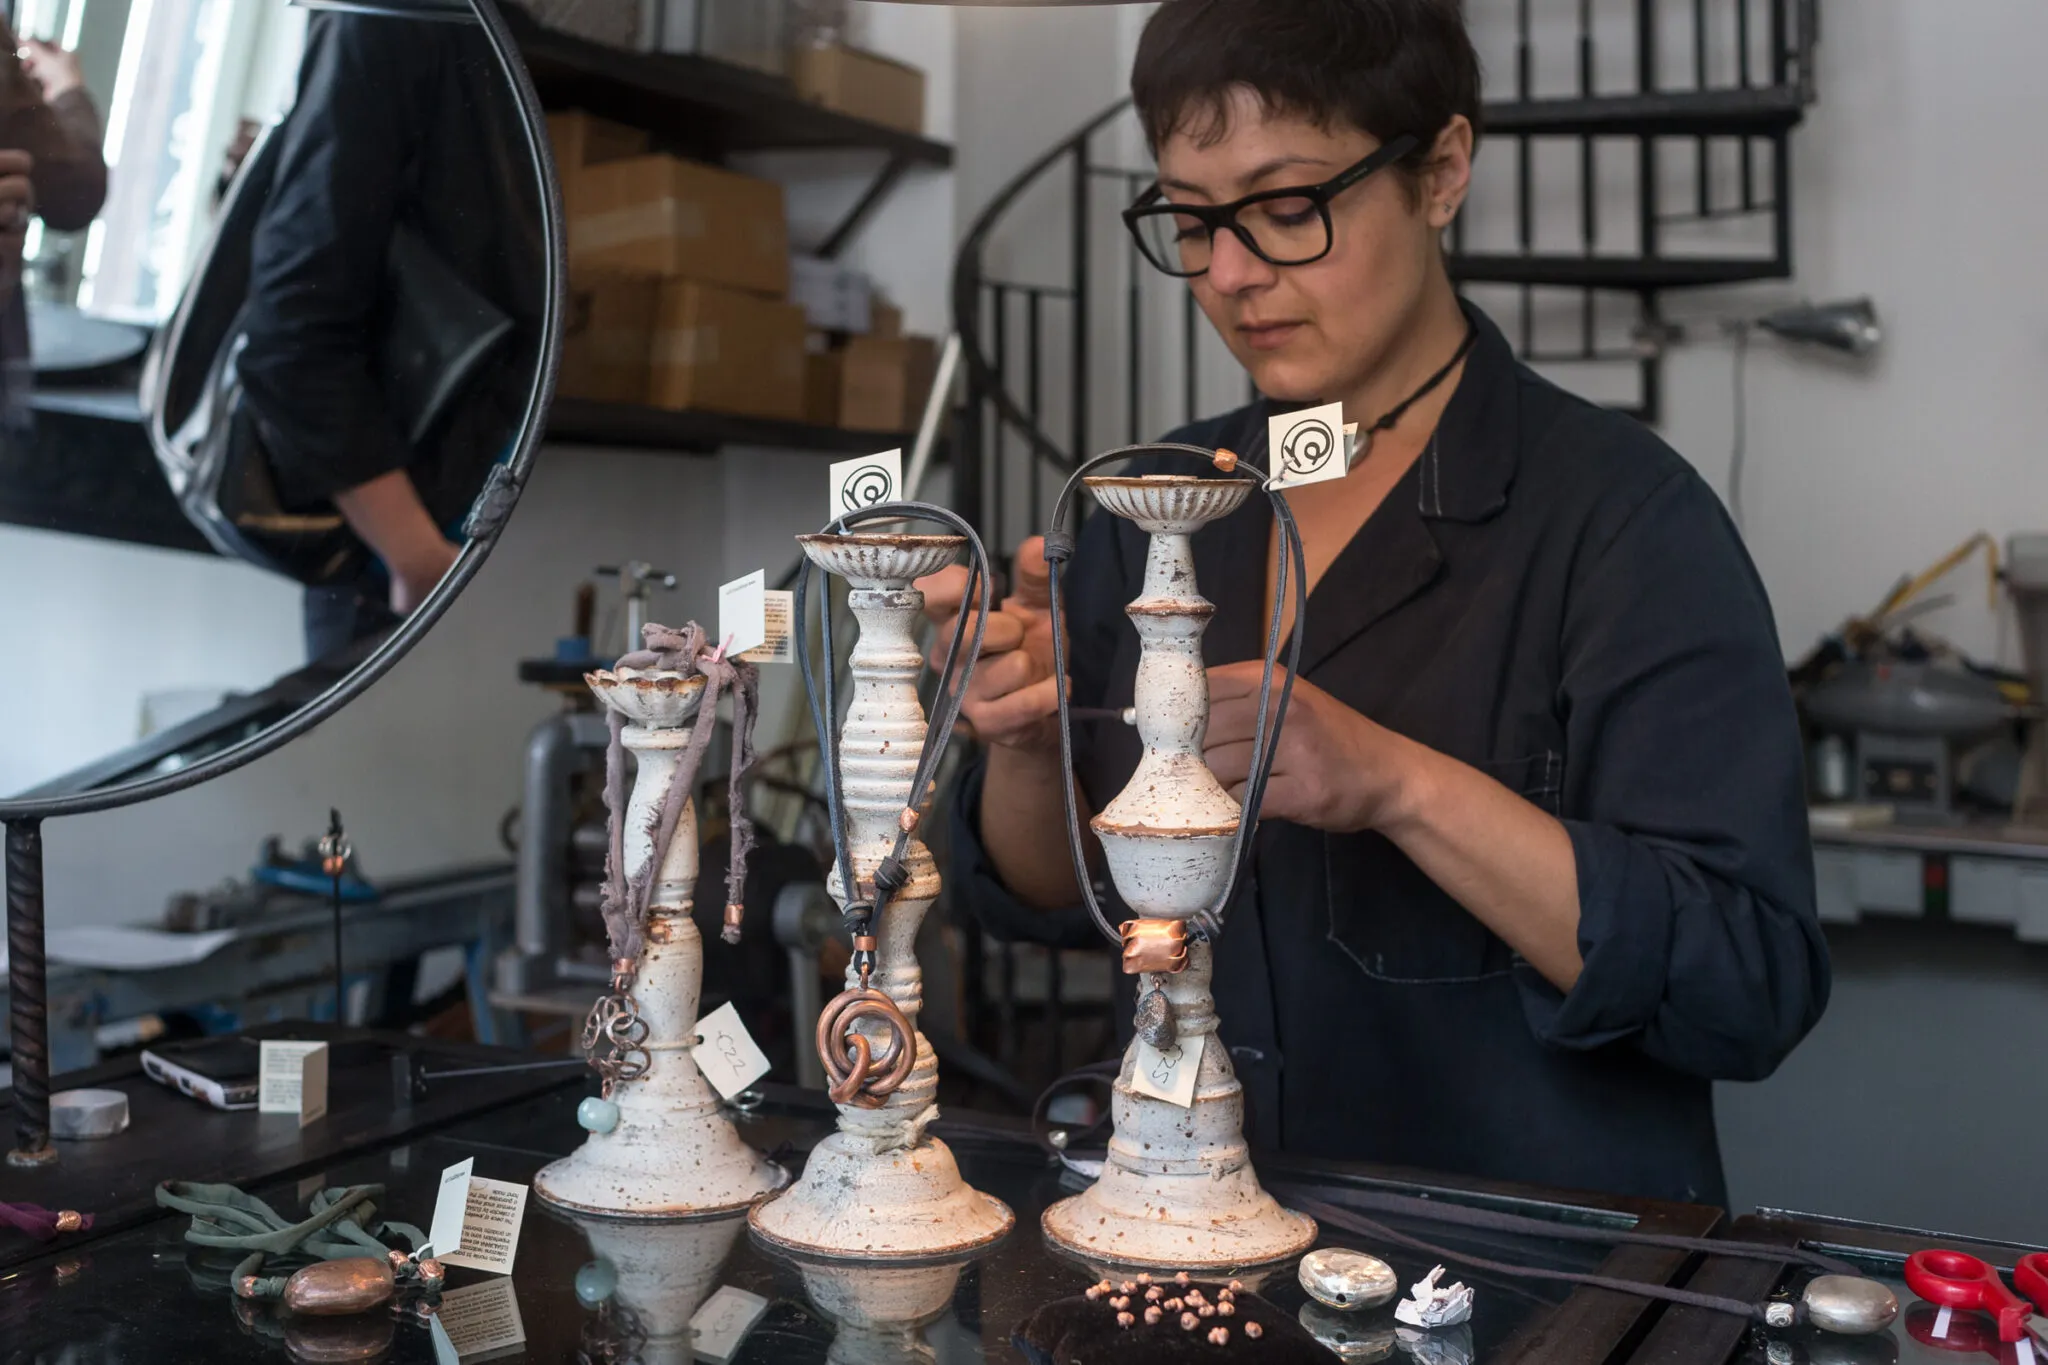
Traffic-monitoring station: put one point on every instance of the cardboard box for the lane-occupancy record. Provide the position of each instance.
(861, 84)
(871, 383)
(884, 319)
(721, 350)
(617, 23)
(834, 297)
(607, 338)
(681, 220)
(582, 139)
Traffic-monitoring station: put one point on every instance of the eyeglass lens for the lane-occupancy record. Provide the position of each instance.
(1286, 231)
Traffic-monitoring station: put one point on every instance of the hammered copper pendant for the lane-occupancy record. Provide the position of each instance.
(332, 1288)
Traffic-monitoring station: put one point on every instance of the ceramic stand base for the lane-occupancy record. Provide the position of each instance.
(856, 1202)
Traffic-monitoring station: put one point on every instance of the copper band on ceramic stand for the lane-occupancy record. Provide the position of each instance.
(1154, 945)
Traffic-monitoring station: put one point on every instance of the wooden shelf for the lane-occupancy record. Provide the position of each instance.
(697, 105)
(578, 421)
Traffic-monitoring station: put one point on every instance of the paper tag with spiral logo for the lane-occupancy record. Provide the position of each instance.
(866, 482)
(1307, 446)
(726, 1053)
(1169, 1074)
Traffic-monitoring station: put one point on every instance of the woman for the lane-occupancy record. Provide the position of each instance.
(50, 165)
(1534, 868)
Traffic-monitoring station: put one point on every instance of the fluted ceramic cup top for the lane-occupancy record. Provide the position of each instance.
(657, 697)
(887, 563)
(1169, 504)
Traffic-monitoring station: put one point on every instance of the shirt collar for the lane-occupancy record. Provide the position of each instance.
(1470, 461)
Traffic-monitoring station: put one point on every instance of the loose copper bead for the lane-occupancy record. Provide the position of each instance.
(1094, 1292)
(1195, 1296)
(1188, 1321)
(432, 1273)
(1120, 1302)
(1154, 1294)
(1173, 1305)
(1127, 1286)
(1236, 1285)
(1153, 1315)
(1254, 1331)
(1207, 1310)
(1181, 1278)
(1226, 1308)
(1219, 1336)
(1144, 1279)
(1124, 1319)
(246, 1287)
(69, 1220)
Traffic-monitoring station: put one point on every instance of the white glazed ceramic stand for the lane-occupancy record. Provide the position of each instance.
(1177, 1190)
(881, 1186)
(881, 1313)
(661, 1274)
(673, 1153)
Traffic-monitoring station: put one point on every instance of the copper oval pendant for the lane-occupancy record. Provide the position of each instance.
(331, 1288)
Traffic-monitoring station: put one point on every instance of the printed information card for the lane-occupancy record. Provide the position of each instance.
(477, 1322)
(292, 1079)
(476, 1220)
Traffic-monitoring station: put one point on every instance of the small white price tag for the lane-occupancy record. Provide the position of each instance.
(476, 1221)
(726, 1053)
(743, 613)
(1307, 446)
(866, 482)
(723, 1323)
(477, 1322)
(1169, 1075)
(292, 1079)
(1941, 1322)
(780, 647)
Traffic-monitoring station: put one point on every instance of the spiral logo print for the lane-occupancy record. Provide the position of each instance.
(1307, 447)
(869, 486)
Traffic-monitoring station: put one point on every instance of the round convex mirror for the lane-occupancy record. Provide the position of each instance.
(279, 319)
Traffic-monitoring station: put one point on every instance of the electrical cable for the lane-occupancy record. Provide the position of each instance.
(1739, 451)
(1291, 571)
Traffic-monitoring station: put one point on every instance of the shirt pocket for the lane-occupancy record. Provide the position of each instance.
(1397, 925)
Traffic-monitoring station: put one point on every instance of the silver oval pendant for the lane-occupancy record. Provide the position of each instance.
(1347, 1279)
(1850, 1304)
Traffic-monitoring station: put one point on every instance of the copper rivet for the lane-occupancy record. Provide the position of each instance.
(1188, 1321)
(1153, 1315)
(1124, 1319)
(1254, 1331)
(246, 1286)
(1219, 1336)
(907, 820)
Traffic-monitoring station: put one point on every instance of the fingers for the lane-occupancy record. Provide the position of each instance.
(1232, 764)
(944, 592)
(14, 161)
(998, 675)
(1003, 634)
(1016, 716)
(1234, 720)
(1227, 682)
(1034, 582)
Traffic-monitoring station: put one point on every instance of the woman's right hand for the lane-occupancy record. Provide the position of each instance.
(1010, 702)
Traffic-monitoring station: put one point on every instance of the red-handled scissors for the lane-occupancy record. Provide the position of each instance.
(1956, 1280)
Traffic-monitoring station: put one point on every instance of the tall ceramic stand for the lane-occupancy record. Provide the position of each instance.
(881, 1313)
(1177, 1189)
(881, 1186)
(655, 1276)
(666, 1150)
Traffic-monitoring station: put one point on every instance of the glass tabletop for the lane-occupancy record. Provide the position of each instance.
(620, 1291)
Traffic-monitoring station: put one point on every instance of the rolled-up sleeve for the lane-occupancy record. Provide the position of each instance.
(1093, 593)
(1685, 801)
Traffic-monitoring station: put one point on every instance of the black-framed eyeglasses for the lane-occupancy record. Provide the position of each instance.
(1289, 226)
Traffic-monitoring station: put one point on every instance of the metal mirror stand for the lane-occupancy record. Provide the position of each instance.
(28, 1022)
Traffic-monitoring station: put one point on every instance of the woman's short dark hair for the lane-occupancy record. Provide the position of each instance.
(1387, 67)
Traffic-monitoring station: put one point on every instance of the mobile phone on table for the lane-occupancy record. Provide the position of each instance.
(222, 1072)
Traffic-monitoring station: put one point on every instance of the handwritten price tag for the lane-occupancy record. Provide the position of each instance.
(727, 1053)
(723, 1323)
(1169, 1075)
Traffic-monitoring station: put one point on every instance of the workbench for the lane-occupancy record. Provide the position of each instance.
(139, 1294)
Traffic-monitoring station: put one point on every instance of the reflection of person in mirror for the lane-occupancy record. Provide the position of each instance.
(398, 123)
(49, 166)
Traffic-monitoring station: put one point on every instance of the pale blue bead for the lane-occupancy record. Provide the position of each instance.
(598, 1115)
(596, 1283)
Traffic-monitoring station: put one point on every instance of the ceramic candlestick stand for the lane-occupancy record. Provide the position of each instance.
(1177, 1188)
(659, 1145)
(880, 1313)
(882, 1186)
(649, 1280)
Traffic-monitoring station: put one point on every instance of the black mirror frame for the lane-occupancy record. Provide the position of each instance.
(487, 521)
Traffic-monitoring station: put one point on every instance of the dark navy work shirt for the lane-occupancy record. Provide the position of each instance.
(1553, 596)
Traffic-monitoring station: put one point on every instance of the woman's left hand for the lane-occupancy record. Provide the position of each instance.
(1334, 770)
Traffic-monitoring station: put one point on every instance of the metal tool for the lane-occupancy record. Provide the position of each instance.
(1955, 1279)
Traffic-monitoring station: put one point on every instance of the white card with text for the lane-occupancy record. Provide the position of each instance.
(866, 482)
(726, 1053)
(476, 1220)
(1169, 1075)
(743, 613)
(1306, 446)
(292, 1079)
(719, 1327)
(780, 646)
(477, 1322)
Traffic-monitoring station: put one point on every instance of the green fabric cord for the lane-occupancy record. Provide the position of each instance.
(343, 1223)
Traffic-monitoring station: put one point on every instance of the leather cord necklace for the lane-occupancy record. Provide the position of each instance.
(1394, 414)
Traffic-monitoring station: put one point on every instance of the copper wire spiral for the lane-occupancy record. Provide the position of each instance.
(855, 1073)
